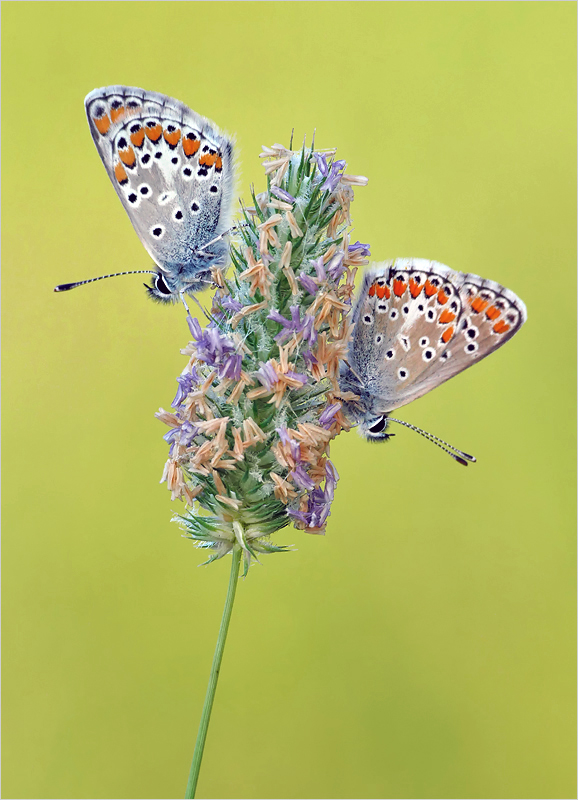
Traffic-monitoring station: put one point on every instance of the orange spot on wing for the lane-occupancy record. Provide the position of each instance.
(115, 113)
(219, 164)
(399, 288)
(446, 316)
(138, 138)
(172, 137)
(102, 124)
(127, 156)
(383, 291)
(414, 287)
(478, 304)
(120, 173)
(447, 334)
(501, 327)
(207, 159)
(492, 312)
(190, 146)
(154, 133)
(442, 297)
(429, 289)
(372, 290)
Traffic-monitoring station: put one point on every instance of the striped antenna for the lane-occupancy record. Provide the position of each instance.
(65, 287)
(461, 457)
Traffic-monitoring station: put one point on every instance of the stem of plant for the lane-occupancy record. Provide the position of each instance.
(214, 676)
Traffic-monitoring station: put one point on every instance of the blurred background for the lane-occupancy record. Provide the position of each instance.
(424, 648)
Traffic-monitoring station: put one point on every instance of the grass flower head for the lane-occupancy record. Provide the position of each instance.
(258, 402)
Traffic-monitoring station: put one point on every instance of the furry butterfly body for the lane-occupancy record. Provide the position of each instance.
(174, 173)
(417, 323)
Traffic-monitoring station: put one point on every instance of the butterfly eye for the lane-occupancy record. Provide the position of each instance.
(161, 286)
(378, 427)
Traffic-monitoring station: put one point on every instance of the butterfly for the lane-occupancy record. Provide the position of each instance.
(174, 173)
(417, 323)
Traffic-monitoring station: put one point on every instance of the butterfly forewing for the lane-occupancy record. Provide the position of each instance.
(171, 168)
(418, 323)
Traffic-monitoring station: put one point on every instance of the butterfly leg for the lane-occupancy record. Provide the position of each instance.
(234, 229)
(181, 294)
(184, 302)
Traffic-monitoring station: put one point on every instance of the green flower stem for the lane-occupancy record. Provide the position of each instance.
(214, 677)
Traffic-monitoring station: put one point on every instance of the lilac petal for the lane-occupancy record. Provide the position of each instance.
(308, 283)
(295, 451)
(331, 472)
(170, 435)
(334, 176)
(298, 515)
(361, 249)
(282, 194)
(283, 435)
(335, 268)
(186, 383)
(301, 478)
(231, 368)
(277, 317)
(309, 331)
(295, 317)
(321, 164)
(194, 327)
(267, 375)
(319, 268)
(229, 304)
(297, 376)
(309, 358)
(326, 416)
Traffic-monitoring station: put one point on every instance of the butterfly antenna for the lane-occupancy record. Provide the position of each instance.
(65, 287)
(291, 139)
(461, 457)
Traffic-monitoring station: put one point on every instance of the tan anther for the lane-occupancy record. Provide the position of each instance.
(168, 418)
(274, 219)
(330, 253)
(296, 231)
(190, 494)
(244, 312)
(279, 205)
(260, 276)
(280, 174)
(229, 501)
(285, 259)
(238, 451)
(355, 180)
(220, 486)
(283, 489)
(271, 166)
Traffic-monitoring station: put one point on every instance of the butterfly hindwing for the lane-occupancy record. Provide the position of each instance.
(172, 169)
(418, 323)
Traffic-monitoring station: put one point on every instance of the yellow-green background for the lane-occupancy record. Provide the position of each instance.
(425, 647)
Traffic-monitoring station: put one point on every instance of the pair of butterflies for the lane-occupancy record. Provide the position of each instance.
(417, 322)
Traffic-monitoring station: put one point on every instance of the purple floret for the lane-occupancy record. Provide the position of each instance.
(360, 248)
(281, 194)
(216, 350)
(319, 500)
(327, 415)
(186, 383)
(294, 325)
(308, 283)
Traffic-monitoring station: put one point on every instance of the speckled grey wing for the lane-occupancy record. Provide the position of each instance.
(172, 169)
(418, 323)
